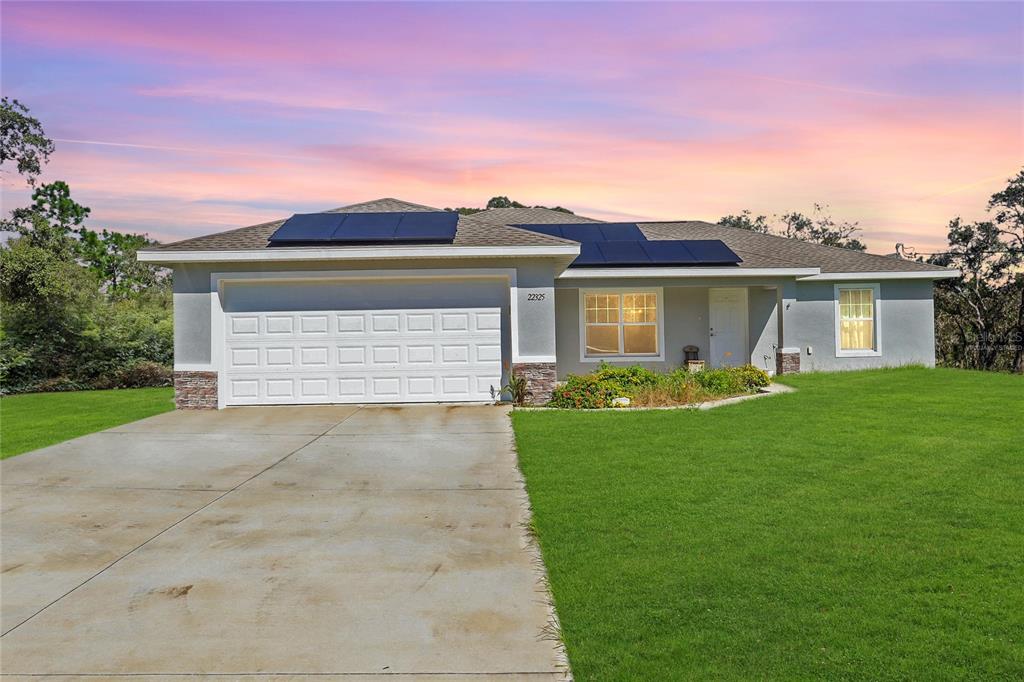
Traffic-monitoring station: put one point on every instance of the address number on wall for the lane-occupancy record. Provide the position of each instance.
(535, 297)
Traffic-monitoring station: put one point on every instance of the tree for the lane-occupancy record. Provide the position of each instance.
(22, 140)
(746, 221)
(818, 228)
(980, 315)
(51, 220)
(505, 202)
(111, 257)
(49, 302)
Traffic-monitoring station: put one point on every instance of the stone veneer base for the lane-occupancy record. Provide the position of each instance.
(195, 390)
(787, 361)
(541, 378)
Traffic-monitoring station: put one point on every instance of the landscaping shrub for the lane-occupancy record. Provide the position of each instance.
(723, 381)
(753, 377)
(646, 388)
(626, 380)
(143, 374)
(583, 392)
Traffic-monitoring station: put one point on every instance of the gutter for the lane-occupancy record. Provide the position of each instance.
(353, 253)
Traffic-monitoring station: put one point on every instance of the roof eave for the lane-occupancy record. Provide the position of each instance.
(171, 256)
(879, 275)
(684, 272)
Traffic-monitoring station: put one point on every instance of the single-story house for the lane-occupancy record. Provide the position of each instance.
(389, 301)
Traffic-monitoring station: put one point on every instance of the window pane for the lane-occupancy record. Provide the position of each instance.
(602, 340)
(640, 339)
(856, 304)
(602, 307)
(639, 307)
(856, 335)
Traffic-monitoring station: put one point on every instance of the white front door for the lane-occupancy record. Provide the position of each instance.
(728, 322)
(362, 356)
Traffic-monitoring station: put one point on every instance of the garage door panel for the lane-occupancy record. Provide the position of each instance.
(351, 324)
(487, 322)
(362, 356)
(277, 325)
(314, 356)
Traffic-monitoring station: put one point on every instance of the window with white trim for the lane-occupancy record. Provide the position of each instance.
(620, 323)
(857, 319)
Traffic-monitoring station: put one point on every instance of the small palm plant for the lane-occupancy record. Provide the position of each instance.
(516, 388)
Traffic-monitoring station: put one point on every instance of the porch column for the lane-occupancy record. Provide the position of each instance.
(787, 351)
(533, 337)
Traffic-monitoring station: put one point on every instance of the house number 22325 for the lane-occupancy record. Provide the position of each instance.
(534, 297)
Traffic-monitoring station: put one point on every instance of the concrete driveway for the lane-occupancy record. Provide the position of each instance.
(279, 542)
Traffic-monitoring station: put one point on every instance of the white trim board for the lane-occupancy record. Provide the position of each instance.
(861, 276)
(354, 253)
(684, 273)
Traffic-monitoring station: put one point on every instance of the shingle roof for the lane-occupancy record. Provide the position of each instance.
(770, 251)
(469, 231)
(530, 216)
(494, 227)
(756, 249)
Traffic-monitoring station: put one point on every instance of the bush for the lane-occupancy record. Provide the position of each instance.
(652, 389)
(719, 382)
(752, 377)
(583, 392)
(141, 374)
(626, 380)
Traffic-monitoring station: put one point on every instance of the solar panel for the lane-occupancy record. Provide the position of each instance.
(308, 227)
(623, 253)
(589, 255)
(711, 251)
(433, 226)
(550, 230)
(367, 227)
(668, 253)
(655, 252)
(589, 232)
(583, 233)
(618, 231)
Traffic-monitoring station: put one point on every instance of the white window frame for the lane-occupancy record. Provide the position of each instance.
(622, 291)
(877, 307)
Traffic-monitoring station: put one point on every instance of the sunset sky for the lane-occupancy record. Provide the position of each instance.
(179, 119)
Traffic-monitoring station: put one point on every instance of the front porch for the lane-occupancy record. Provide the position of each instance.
(734, 323)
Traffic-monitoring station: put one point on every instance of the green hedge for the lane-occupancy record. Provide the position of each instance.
(647, 388)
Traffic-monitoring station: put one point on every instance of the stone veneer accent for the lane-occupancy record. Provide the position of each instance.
(540, 380)
(195, 390)
(787, 361)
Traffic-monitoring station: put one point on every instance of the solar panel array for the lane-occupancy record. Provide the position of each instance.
(368, 228)
(625, 244)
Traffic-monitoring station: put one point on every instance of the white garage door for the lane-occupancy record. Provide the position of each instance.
(376, 356)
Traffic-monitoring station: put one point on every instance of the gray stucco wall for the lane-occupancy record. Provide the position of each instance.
(906, 326)
(685, 321)
(763, 327)
(549, 308)
(906, 323)
(192, 315)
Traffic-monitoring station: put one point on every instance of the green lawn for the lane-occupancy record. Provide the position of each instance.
(36, 420)
(869, 526)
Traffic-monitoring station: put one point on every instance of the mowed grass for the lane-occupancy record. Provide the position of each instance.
(869, 526)
(35, 420)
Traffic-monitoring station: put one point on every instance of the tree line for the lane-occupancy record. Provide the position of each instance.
(78, 310)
